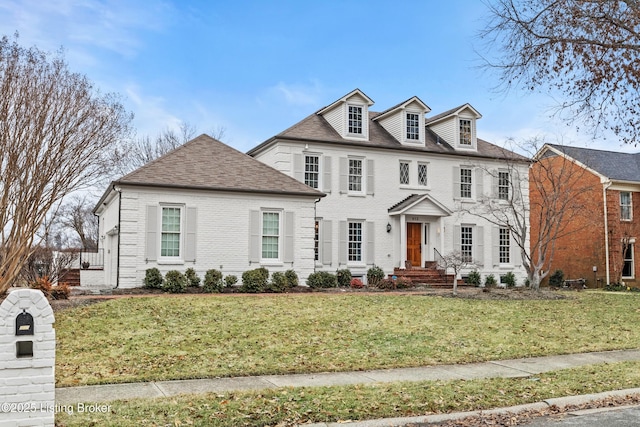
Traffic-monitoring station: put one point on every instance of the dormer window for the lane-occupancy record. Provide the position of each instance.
(465, 132)
(355, 119)
(413, 127)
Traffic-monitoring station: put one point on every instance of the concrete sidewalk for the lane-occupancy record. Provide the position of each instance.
(501, 368)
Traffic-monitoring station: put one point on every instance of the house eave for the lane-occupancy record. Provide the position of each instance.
(313, 193)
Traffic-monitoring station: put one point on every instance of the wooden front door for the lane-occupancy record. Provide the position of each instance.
(414, 244)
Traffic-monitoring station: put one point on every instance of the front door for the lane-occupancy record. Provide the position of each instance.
(414, 243)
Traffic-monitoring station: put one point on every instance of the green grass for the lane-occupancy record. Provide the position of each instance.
(200, 336)
(287, 407)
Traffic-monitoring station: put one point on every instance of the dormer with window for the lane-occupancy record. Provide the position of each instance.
(349, 115)
(405, 121)
(457, 127)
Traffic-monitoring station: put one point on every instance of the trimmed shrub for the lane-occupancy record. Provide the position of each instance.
(212, 281)
(356, 283)
(509, 279)
(174, 282)
(192, 278)
(153, 279)
(344, 277)
(278, 282)
(322, 279)
(490, 281)
(255, 280)
(62, 291)
(386, 283)
(374, 275)
(474, 278)
(230, 280)
(42, 284)
(403, 282)
(292, 278)
(556, 279)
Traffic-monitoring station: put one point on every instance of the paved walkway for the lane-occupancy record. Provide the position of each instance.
(501, 368)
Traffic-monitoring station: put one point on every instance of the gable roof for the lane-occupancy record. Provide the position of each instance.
(610, 164)
(344, 98)
(207, 164)
(415, 199)
(452, 112)
(403, 104)
(315, 128)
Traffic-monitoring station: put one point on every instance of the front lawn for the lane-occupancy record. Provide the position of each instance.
(200, 336)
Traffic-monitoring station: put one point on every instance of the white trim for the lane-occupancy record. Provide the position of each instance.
(164, 259)
(278, 260)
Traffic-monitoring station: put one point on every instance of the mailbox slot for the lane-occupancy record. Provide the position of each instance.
(24, 349)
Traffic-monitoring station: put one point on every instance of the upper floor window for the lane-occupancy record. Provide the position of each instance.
(270, 235)
(465, 183)
(503, 185)
(355, 119)
(311, 171)
(171, 230)
(625, 205)
(413, 126)
(422, 174)
(355, 175)
(404, 173)
(504, 247)
(465, 132)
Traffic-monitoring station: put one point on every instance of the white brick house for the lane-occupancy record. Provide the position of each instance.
(395, 184)
(205, 205)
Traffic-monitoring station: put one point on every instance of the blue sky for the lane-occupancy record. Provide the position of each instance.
(257, 67)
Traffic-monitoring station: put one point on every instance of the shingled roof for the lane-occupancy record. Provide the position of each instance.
(613, 165)
(208, 164)
(315, 128)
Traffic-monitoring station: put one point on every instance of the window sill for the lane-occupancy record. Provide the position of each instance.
(170, 262)
(415, 187)
(271, 263)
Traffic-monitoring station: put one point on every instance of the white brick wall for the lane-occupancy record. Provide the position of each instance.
(27, 384)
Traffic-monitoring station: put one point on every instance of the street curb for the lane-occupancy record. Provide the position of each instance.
(438, 418)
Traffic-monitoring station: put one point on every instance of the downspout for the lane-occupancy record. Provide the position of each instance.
(605, 186)
(119, 228)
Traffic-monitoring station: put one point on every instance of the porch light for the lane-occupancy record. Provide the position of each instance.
(388, 228)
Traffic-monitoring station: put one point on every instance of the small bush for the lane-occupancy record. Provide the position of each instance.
(556, 279)
(62, 291)
(192, 278)
(42, 284)
(278, 282)
(356, 283)
(404, 283)
(344, 277)
(255, 280)
(386, 283)
(153, 279)
(374, 275)
(174, 282)
(509, 279)
(230, 280)
(474, 278)
(212, 281)
(490, 281)
(322, 279)
(292, 278)
(615, 287)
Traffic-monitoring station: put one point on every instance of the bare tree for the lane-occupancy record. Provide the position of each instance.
(455, 261)
(537, 205)
(587, 50)
(145, 149)
(56, 134)
(76, 215)
(44, 261)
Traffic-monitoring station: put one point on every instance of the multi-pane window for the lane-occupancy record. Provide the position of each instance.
(465, 183)
(465, 132)
(422, 174)
(311, 171)
(316, 241)
(355, 119)
(625, 205)
(413, 126)
(466, 243)
(404, 173)
(504, 247)
(355, 241)
(503, 185)
(170, 235)
(628, 267)
(355, 175)
(270, 235)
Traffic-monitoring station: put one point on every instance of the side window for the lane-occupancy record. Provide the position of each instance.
(404, 173)
(171, 231)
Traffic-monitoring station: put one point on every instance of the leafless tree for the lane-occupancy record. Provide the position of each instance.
(44, 261)
(455, 261)
(76, 215)
(588, 50)
(56, 134)
(539, 205)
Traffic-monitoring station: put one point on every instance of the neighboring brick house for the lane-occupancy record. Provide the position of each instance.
(395, 182)
(605, 184)
(204, 205)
